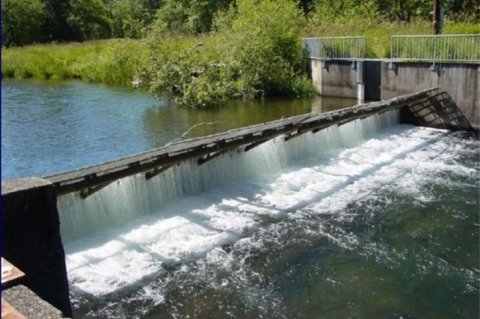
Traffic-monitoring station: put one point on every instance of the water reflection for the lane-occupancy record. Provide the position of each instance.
(166, 121)
(328, 103)
(52, 126)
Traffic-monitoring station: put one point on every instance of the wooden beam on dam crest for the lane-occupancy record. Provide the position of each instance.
(88, 180)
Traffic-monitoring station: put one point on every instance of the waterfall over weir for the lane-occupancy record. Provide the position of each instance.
(369, 219)
(122, 234)
(134, 197)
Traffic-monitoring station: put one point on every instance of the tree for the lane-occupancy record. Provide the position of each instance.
(256, 55)
(89, 20)
(194, 16)
(131, 17)
(55, 26)
(345, 11)
(128, 20)
(462, 9)
(307, 6)
(407, 9)
(21, 22)
(264, 41)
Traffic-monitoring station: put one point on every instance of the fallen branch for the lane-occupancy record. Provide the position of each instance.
(190, 129)
(203, 123)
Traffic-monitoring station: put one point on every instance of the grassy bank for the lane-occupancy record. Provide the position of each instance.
(109, 61)
(118, 61)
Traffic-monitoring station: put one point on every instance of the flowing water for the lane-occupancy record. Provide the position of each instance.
(371, 219)
(368, 220)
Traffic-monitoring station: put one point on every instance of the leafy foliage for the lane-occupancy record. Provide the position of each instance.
(127, 20)
(43, 21)
(89, 20)
(345, 11)
(55, 26)
(258, 55)
(191, 16)
(21, 21)
(356, 11)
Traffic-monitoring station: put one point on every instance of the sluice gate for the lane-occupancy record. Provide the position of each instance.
(90, 179)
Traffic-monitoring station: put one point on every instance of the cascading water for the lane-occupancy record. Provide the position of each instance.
(133, 197)
(332, 224)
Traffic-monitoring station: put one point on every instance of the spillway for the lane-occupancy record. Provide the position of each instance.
(336, 223)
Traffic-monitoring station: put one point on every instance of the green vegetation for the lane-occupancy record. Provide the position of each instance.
(203, 52)
(253, 55)
(21, 23)
(109, 61)
(45, 21)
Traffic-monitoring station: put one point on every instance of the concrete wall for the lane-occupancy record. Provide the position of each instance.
(337, 78)
(31, 238)
(461, 81)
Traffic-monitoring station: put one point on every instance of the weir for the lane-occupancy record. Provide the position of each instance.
(135, 196)
(133, 230)
(110, 195)
(91, 179)
(225, 234)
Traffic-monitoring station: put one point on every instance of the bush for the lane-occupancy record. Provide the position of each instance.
(258, 54)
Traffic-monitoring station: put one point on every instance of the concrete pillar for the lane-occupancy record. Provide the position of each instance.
(360, 82)
(31, 238)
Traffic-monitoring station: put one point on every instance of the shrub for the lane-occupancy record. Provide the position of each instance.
(258, 54)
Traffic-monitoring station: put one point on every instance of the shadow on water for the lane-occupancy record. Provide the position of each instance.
(165, 123)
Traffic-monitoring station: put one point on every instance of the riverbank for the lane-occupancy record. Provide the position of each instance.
(107, 61)
(118, 61)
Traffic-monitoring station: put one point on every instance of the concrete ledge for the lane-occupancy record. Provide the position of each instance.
(29, 304)
(17, 185)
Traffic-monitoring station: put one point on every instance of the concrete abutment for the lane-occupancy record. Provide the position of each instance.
(31, 238)
(380, 81)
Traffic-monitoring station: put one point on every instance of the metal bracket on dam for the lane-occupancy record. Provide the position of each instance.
(88, 180)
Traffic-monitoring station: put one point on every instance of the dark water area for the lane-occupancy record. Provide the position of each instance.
(49, 126)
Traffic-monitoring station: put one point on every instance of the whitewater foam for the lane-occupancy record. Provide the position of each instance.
(131, 231)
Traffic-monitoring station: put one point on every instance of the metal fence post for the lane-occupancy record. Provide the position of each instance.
(434, 66)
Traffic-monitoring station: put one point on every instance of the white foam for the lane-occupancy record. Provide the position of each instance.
(201, 208)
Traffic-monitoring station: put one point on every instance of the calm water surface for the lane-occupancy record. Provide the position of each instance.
(49, 127)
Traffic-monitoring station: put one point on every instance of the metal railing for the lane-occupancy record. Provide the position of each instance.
(335, 48)
(463, 48)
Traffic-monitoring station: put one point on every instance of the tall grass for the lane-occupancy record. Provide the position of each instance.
(114, 61)
(110, 61)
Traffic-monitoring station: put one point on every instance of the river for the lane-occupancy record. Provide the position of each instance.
(49, 127)
(371, 219)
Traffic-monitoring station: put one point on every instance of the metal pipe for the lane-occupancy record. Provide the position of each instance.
(436, 17)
